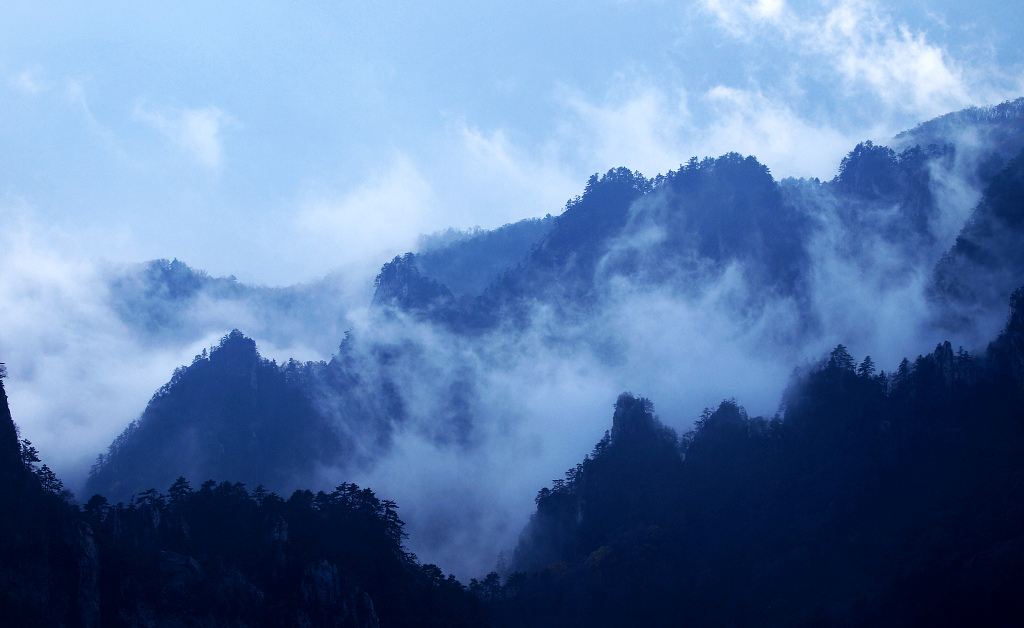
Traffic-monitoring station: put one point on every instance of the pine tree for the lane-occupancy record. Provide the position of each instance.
(866, 368)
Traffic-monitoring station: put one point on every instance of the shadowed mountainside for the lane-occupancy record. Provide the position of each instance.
(987, 259)
(218, 556)
(871, 499)
(717, 225)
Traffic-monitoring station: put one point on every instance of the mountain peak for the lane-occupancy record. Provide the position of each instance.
(633, 416)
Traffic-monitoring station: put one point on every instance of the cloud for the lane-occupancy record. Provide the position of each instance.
(901, 67)
(737, 15)
(29, 82)
(858, 42)
(750, 123)
(195, 131)
(649, 129)
(513, 181)
(76, 375)
(638, 125)
(380, 218)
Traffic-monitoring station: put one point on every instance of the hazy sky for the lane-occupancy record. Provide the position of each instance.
(279, 142)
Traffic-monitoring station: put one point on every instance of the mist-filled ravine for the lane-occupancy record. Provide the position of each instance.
(807, 399)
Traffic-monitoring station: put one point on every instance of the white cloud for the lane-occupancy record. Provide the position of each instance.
(29, 82)
(736, 15)
(196, 131)
(899, 66)
(515, 183)
(77, 376)
(380, 218)
(859, 42)
(750, 123)
(652, 131)
(639, 127)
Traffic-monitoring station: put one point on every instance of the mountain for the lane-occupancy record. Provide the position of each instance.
(707, 214)
(232, 413)
(467, 262)
(987, 259)
(710, 272)
(870, 499)
(216, 556)
(168, 302)
(684, 229)
(695, 219)
(984, 137)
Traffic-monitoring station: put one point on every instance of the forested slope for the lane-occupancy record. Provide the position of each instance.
(215, 556)
(870, 499)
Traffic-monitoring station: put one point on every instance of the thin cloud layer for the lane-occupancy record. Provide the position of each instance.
(197, 132)
(75, 375)
(371, 223)
(860, 42)
(349, 151)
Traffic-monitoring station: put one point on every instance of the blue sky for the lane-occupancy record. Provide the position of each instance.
(279, 142)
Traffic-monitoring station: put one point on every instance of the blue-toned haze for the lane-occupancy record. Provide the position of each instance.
(282, 144)
(279, 143)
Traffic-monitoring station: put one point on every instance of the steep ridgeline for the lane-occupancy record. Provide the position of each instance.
(48, 566)
(169, 302)
(467, 262)
(985, 138)
(683, 229)
(708, 214)
(872, 499)
(987, 260)
(234, 414)
(217, 556)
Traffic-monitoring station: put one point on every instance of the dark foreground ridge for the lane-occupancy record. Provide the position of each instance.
(872, 499)
(216, 556)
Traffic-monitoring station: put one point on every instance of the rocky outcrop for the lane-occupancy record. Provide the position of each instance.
(1013, 336)
(329, 601)
(400, 284)
(88, 586)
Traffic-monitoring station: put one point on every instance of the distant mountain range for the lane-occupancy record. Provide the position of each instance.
(870, 499)
(233, 414)
(875, 494)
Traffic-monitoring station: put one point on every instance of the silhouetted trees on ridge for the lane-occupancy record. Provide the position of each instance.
(869, 498)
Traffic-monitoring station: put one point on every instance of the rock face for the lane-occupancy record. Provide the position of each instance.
(1015, 335)
(400, 284)
(10, 452)
(88, 593)
(329, 601)
(987, 261)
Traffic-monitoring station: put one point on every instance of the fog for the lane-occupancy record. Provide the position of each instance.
(82, 362)
(492, 417)
(465, 467)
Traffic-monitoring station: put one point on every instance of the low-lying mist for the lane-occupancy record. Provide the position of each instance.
(489, 417)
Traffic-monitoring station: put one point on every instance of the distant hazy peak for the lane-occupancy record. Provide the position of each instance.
(1009, 110)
